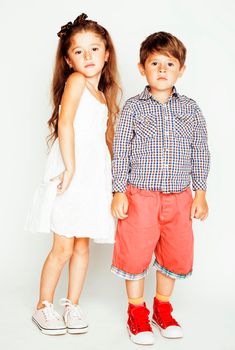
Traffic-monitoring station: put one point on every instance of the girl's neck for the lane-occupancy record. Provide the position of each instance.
(92, 86)
(93, 82)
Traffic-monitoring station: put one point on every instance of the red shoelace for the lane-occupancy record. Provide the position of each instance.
(138, 320)
(162, 314)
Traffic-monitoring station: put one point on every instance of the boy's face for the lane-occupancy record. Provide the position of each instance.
(161, 71)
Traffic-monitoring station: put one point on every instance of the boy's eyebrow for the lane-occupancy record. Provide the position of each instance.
(168, 57)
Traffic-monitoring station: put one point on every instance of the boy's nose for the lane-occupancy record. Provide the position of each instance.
(162, 69)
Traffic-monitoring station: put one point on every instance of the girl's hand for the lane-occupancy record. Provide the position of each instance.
(65, 179)
(199, 208)
(119, 206)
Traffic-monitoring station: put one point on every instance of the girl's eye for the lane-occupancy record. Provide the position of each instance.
(154, 63)
(170, 64)
(78, 52)
(95, 49)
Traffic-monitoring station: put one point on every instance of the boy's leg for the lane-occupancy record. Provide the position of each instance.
(135, 291)
(164, 287)
(162, 308)
(174, 257)
(138, 323)
(136, 239)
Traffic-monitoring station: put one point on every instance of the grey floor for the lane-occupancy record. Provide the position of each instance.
(207, 317)
(206, 326)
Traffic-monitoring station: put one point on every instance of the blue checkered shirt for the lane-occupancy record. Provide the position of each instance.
(160, 146)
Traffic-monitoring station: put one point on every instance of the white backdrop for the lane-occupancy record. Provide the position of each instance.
(28, 43)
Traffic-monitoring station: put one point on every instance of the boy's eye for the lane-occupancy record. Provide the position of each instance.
(154, 63)
(95, 49)
(170, 64)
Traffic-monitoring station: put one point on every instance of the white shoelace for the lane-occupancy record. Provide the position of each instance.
(49, 312)
(74, 310)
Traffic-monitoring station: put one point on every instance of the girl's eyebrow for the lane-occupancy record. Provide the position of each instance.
(79, 47)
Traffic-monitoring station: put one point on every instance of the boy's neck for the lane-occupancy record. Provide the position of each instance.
(161, 96)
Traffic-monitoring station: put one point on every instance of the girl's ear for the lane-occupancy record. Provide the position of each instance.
(106, 57)
(68, 62)
(141, 69)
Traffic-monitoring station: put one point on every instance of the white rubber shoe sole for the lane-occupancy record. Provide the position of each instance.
(47, 331)
(172, 332)
(143, 338)
(77, 330)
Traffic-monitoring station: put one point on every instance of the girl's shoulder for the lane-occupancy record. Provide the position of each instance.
(76, 80)
(74, 86)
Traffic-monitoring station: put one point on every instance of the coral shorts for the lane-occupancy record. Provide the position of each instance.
(159, 224)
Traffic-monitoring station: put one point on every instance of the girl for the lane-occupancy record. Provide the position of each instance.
(74, 200)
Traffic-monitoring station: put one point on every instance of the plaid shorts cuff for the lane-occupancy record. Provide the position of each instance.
(170, 273)
(128, 276)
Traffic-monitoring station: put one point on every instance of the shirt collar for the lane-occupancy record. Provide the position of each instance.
(145, 95)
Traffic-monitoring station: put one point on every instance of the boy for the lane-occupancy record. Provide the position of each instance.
(160, 145)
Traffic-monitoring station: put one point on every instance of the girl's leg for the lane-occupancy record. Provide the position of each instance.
(77, 268)
(165, 286)
(61, 251)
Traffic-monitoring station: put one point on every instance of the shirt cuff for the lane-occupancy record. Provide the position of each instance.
(119, 187)
(199, 184)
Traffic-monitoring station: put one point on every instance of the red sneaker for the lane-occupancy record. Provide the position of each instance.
(168, 326)
(138, 325)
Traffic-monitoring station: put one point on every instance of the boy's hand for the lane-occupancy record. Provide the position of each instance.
(119, 205)
(199, 208)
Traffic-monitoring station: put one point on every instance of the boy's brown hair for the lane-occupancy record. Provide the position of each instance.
(164, 43)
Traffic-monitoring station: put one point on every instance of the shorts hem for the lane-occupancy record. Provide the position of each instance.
(129, 276)
(170, 273)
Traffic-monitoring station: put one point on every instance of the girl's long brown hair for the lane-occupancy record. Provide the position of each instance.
(109, 80)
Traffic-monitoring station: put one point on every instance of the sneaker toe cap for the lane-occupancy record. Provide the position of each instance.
(145, 338)
(77, 324)
(172, 332)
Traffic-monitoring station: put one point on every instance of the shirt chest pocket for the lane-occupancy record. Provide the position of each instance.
(183, 126)
(146, 126)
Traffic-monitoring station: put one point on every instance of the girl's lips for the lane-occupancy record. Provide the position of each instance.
(161, 78)
(89, 65)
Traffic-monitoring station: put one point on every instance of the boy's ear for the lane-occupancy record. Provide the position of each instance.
(182, 70)
(141, 69)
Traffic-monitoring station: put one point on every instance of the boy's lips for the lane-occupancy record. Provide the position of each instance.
(161, 78)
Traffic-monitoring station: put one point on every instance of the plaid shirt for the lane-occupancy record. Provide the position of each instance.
(160, 146)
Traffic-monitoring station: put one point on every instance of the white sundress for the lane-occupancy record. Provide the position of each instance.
(84, 209)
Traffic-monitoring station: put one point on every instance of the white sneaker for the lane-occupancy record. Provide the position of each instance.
(74, 317)
(48, 320)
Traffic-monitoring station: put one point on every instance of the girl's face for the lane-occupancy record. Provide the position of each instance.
(87, 54)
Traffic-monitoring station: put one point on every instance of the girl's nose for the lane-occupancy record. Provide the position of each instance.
(87, 55)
